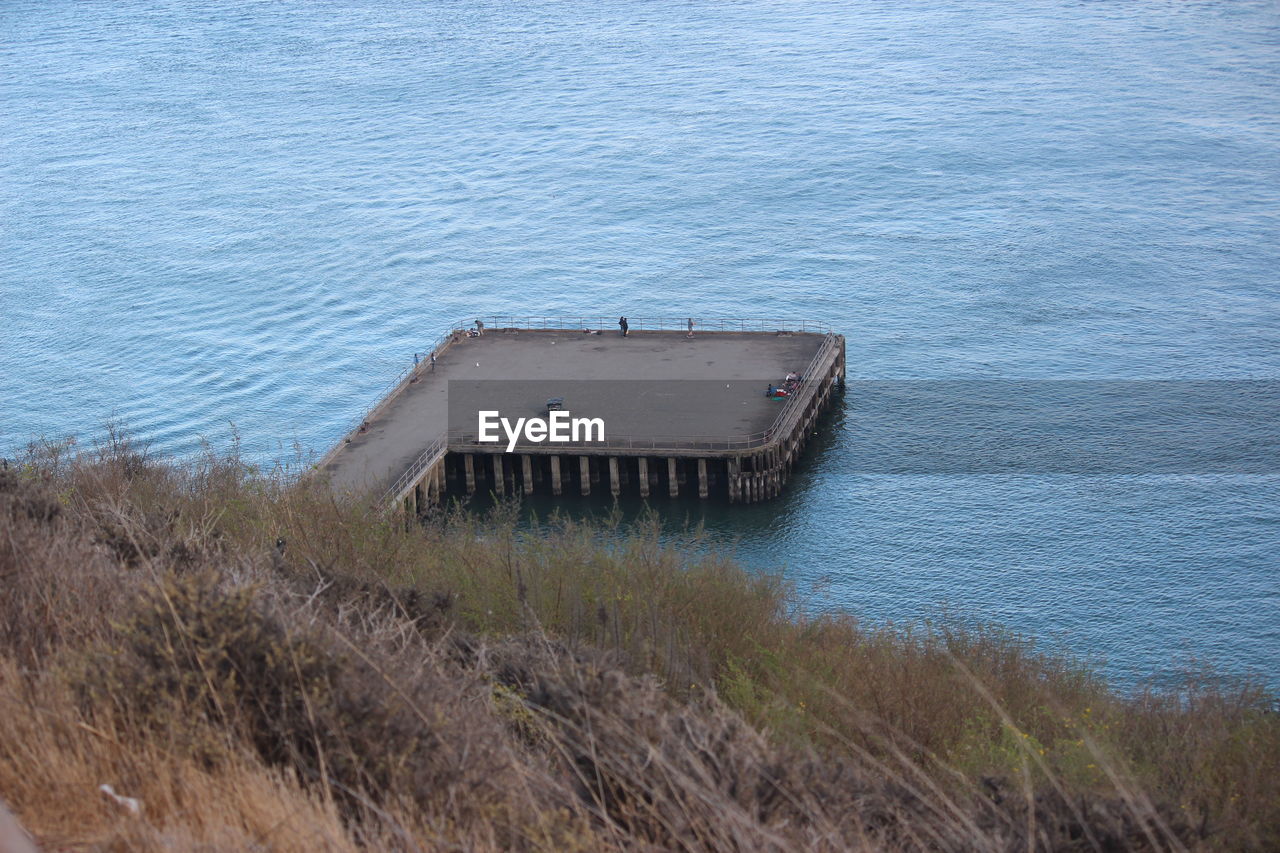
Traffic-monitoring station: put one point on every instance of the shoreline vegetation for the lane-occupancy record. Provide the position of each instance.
(250, 664)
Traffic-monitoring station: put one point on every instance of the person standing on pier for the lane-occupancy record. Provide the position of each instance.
(433, 361)
(622, 324)
(479, 328)
(690, 335)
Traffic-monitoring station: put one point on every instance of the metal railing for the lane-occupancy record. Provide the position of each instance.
(647, 324)
(409, 478)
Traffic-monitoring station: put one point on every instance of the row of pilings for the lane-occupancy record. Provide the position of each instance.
(589, 474)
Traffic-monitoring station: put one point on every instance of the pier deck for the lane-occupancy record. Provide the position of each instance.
(652, 389)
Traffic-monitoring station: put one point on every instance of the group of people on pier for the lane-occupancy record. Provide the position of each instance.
(789, 386)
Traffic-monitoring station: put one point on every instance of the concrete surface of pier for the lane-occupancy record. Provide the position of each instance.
(655, 386)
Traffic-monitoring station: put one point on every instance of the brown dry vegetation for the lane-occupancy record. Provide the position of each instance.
(263, 667)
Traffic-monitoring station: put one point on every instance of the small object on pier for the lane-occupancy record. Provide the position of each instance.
(555, 404)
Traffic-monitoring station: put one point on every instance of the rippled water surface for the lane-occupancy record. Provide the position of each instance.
(254, 213)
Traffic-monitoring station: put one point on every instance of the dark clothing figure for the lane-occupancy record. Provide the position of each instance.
(433, 361)
(622, 324)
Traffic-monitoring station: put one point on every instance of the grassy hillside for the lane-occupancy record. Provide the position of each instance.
(259, 665)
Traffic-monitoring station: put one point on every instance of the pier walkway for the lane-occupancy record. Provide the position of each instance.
(658, 390)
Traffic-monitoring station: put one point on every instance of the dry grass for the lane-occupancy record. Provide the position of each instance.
(264, 667)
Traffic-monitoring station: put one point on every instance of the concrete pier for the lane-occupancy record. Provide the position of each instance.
(687, 411)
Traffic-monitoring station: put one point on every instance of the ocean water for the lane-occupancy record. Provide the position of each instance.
(246, 217)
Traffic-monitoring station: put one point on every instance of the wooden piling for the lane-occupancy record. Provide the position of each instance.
(673, 482)
(555, 475)
(498, 482)
(584, 473)
(526, 473)
(642, 465)
(702, 477)
(469, 461)
(615, 481)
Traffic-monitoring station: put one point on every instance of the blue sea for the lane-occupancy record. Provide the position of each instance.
(243, 218)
